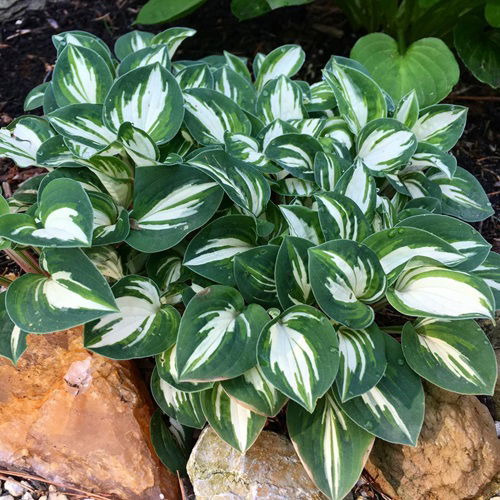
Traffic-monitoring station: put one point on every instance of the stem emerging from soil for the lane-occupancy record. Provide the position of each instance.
(27, 262)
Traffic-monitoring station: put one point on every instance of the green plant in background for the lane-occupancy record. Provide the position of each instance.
(410, 53)
(249, 232)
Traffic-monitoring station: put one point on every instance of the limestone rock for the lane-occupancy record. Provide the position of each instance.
(270, 470)
(457, 456)
(77, 418)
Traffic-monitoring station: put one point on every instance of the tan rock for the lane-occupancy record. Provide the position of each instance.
(79, 419)
(457, 456)
(270, 470)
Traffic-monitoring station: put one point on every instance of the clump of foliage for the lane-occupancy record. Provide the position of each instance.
(410, 53)
(253, 233)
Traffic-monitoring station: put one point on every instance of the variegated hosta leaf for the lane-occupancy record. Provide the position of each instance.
(140, 147)
(441, 125)
(332, 448)
(395, 247)
(328, 169)
(54, 153)
(26, 193)
(243, 183)
(292, 186)
(218, 335)
(257, 63)
(144, 57)
(414, 184)
(291, 272)
(345, 276)
(336, 128)
(211, 252)
(309, 126)
(254, 274)
(49, 100)
(235, 424)
(358, 185)
(142, 327)
(359, 98)
(461, 236)
(489, 271)
(253, 391)
(238, 64)
(246, 148)
(150, 99)
(82, 122)
(132, 42)
(425, 289)
(295, 153)
(273, 130)
(84, 39)
(169, 203)
(111, 223)
(172, 38)
(285, 60)
(209, 114)
(427, 156)
(303, 222)
(362, 360)
(81, 75)
(12, 338)
(185, 407)
(322, 98)
(64, 218)
(35, 97)
(234, 86)
(171, 441)
(454, 355)
(393, 410)
(23, 137)
(84, 177)
(298, 354)
(73, 293)
(385, 145)
(115, 175)
(407, 109)
(463, 196)
(341, 218)
(165, 268)
(166, 364)
(281, 98)
(107, 261)
(194, 77)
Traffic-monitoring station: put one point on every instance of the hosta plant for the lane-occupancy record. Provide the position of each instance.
(280, 248)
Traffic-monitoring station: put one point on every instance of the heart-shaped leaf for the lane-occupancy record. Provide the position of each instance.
(478, 45)
(234, 423)
(218, 335)
(298, 354)
(331, 446)
(185, 407)
(253, 391)
(393, 410)
(150, 99)
(344, 277)
(427, 65)
(65, 215)
(74, 292)
(141, 328)
(454, 355)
